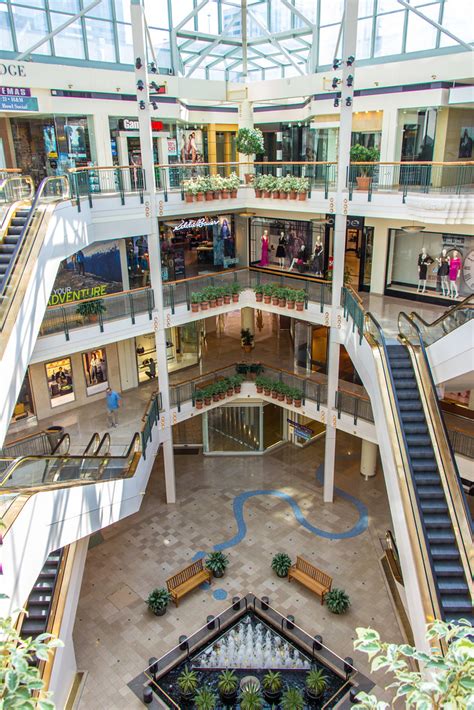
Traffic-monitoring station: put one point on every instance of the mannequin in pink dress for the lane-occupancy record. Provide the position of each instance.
(265, 242)
(454, 269)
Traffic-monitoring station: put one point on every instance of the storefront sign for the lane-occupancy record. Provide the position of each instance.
(18, 103)
(68, 294)
(14, 91)
(172, 146)
(12, 70)
(352, 222)
(303, 432)
(132, 124)
(194, 224)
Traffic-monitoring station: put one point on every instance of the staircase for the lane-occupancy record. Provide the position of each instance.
(10, 241)
(448, 572)
(39, 602)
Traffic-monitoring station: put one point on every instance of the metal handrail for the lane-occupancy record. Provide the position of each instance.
(24, 181)
(92, 446)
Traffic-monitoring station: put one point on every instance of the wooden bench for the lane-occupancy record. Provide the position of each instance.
(185, 581)
(312, 577)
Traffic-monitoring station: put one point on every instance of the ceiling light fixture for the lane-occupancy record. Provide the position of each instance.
(412, 228)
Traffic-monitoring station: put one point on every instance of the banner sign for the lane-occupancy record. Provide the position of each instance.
(303, 432)
(14, 91)
(194, 224)
(18, 103)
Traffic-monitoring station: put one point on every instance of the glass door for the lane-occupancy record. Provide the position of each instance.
(367, 250)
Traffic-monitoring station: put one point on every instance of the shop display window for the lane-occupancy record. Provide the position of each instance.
(24, 406)
(94, 363)
(60, 382)
(430, 264)
(145, 348)
(182, 346)
(288, 245)
(138, 262)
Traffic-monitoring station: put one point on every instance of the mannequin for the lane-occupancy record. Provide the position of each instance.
(301, 257)
(318, 257)
(443, 271)
(454, 270)
(281, 250)
(264, 242)
(424, 260)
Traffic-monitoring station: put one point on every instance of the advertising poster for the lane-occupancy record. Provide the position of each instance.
(60, 382)
(50, 145)
(76, 141)
(91, 272)
(191, 146)
(95, 370)
(465, 143)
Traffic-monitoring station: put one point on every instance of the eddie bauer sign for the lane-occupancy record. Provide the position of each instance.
(195, 224)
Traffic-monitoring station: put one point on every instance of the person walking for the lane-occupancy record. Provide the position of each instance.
(113, 400)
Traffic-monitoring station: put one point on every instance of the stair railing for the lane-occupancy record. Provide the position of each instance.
(450, 320)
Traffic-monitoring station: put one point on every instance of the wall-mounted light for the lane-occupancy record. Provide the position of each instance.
(348, 101)
(154, 86)
(335, 82)
(350, 60)
(140, 85)
(336, 102)
(154, 105)
(153, 69)
(142, 105)
(138, 63)
(350, 80)
(336, 64)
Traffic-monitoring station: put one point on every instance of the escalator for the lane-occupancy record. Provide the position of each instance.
(38, 606)
(11, 243)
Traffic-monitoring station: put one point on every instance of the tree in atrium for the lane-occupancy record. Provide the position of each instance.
(447, 680)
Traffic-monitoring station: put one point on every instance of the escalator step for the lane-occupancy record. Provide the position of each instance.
(441, 536)
(431, 492)
(453, 586)
(22, 213)
(433, 506)
(426, 479)
(416, 438)
(7, 248)
(409, 395)
(413, 407)
(18, 221)
(405, 384)
(12, 239)
(38, 613)
(444, 552)
(37, 599)
(33, 627)
(412, 428)
(422, 452)
(458, 606)
(423, 465)
(457, 617)
(14, 230)
(438, 521)
(448, 569)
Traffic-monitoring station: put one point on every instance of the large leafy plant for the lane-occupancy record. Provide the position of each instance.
(250, 141)
(447, 680)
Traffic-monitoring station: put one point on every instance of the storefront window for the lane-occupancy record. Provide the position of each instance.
(145, 348)
(95, 370)
(60, 382)
(233, 429)
(138, 262)
(24, 406)
(430, 263)
(182, 346)
(287, 245)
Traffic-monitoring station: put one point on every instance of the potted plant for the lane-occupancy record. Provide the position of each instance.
(195, 301)
(275, 296)
(258, 290)
(217, 563)
(289, 395)
(158, 600)
(282, 297)
(214, 390)
(249, 142)
(250, 699)
(227, 291)
(199, 399)
(205, 699)
(260, 382)
(361, 154)
(316, 683)
(257, 185)
(207, 396)
(297, 397)
(268, 182)
(337, 601)
(267, 388)
(200, 188)
(91, 309)
(236, 289)
(246, 339)
(281, 564)
(227, 684)
(207, 188)
(225, 189)
(212, 296)
(267, 293)
(204, 300)
(293, 187)
(188, 683)
(188, 186)
(276, 188)
(303, 187)
(272, 686)
(234, 183)
(282, 390)
(230, 386)
(284, 187)
(275, 389)
(290, 298)
(219, 291)
(300, 296)
(221, 386)
(292, 699)
(237, 381)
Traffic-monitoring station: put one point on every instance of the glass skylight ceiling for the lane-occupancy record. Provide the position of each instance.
(230, 39)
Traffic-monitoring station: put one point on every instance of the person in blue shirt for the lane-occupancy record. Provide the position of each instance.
(113, 400)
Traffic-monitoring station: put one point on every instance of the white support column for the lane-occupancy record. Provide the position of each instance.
(146, 141)
(368, 459)
(349, 44)
(124, 264)
(245, 121)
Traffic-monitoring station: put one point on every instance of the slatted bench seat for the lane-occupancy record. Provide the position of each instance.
(311, 577)
(185, 581)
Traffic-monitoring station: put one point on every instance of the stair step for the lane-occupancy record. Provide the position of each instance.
(453, 603)
(441, 536)
(422, 452)
(426, 479)
(437, 520)
(447, 568)
(452, 586)
(417, 439)
(432, 492)
(423, 465)
(444, 552)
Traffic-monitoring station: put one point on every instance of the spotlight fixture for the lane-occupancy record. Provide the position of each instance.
(350, 80)
(336, 64)
(348, 101)
(153, 69)
(335, 82)
(142, 105)
(336, 102)
(138, 63)
(140, 85)
(350, 60)
(154, 105)
(154, 86)
(412, 228)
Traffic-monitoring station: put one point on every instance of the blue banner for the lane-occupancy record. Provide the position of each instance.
(18, 103)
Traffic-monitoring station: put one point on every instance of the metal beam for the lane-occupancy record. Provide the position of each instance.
(150, 43)
(52, 34)
(439, 27)
(203, 36)
(271, 57)
(223, 57)
(192, 14)
(205, 52)
(299, 14)
(275, 43)
(287, 34)
(244, 38)
(339, 37)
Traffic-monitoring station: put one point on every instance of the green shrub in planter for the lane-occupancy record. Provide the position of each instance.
(205, 699)
(337, 601)
(217, 562)
(250, 699)
(91, 308)
(188, 682)
(272, 686)
(158, 600)
(316, 682)
(236, 288)
(227, 683)
(250, 141)
(292, 699)
(281, 563)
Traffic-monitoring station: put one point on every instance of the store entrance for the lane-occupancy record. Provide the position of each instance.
(358, 252)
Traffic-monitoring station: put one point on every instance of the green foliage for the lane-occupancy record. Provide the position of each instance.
(316, 681)
(292, 699)
(272, 681)
(281, 563)
(337, 601)
(91, 308)
(217, 562)
(19, 680)
(205, 699)
(258, 288)
(288, 183)
(447, 681)
(250, 141)
(361, 154)
(227, 682)
(158, 599)
(250, 699)
(188, 681)
(246, 336)
(300, 295)
(235, 288)
(196, 297)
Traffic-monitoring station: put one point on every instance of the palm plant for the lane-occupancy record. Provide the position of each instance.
(316, 682)
(250, 699)
(188, 682)
(337, 601)
(205, 699)
(227, 683)
(292, 699)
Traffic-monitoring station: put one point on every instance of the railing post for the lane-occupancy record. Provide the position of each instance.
(188, 304)
(356, 410)
(369, 191)
(141, 186)
(172, 298)
(178, 398)
(149, 303)
(101, 323)
(304, 391)
(89, 193)
(65, 323)
(132, 308)
(120, 185)
(349, 181)
(326, 181)
(318, 397)
(76, 185)
(338, 404)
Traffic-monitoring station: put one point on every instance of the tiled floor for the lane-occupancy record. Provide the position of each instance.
(115, 634)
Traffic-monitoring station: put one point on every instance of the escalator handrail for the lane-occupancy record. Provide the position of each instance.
(65, 439)
(457, 307)
(105, 441)
(92, 446)
(431, 584)
(36, 201)
(402, 316)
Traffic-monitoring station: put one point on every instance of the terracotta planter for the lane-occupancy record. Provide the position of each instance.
(237, 389)
(293, 195)
(215, 397)
(363, 183)
(259, 389)
(225, 194)
(248, 178)
(199, 403)
(267, 391)
(297, 402)
(290, 304)
(267, 193)
(188, 197)
(207, 401)
(247, 348)
(274, 395)
(276, 195)
(275, 300)
(220, 301)
(213, 304)
(289, 400)
(209, 195)
(221, 395)
(230, 392)
(235, 298)
(200, 197)
(281, 397)
(194, 307)
(299, 305)
(204, 305)
(258, 193)
(283, 195)
(267, 299)
(217, 194)
(282, 302)
(226, 300)
(233, 194)
(259, 297)
(302, 196)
